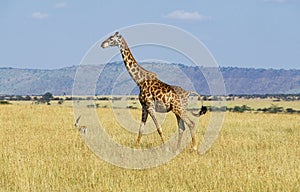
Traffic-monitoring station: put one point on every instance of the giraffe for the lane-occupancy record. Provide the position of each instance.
(155, 95)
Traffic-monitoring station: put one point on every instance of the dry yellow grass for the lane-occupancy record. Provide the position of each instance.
(42, 151)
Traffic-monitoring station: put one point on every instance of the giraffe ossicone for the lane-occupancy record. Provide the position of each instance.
(155, 95)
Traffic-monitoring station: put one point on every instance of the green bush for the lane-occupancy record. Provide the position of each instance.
(4, 102)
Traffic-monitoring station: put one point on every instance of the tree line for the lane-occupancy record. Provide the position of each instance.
(48, 97)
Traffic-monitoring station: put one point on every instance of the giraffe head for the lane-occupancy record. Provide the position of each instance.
(114, 40)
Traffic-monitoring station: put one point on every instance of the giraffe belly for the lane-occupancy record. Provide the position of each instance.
(162, 107)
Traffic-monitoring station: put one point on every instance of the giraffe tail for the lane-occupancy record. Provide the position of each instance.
(203, 108)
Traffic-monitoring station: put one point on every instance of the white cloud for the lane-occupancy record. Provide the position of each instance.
(39, 15)
(188, 16)
(61, 5)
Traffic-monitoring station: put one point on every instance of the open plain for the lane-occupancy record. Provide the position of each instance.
(42, 151)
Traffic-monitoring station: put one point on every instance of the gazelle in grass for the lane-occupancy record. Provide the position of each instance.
(81, 128)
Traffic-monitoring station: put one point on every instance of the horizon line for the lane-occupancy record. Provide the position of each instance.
(171, 63)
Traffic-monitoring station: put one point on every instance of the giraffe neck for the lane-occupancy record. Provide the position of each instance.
(138, 73)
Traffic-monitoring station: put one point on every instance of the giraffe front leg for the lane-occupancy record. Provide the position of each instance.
(141, 130)
(142, 124)
(181, 129)
(151, 111)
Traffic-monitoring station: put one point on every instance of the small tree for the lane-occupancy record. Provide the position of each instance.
(47, 97)
(27, 98)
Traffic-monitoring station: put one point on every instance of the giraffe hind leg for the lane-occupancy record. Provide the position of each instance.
(191, 126)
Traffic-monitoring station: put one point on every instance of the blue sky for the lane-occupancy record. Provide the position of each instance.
(239, 33)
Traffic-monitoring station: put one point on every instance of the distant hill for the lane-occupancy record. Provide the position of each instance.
(115, 80)
(35, 81)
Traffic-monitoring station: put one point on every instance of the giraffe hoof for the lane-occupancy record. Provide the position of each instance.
(177, 152)
(138, 144)
(166, 148)
(195, 148)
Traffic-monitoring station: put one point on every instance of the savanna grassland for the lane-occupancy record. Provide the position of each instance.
(42, 151)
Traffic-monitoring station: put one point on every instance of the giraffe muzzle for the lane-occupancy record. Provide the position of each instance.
(104, 44)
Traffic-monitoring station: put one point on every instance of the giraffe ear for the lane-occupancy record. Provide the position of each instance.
(117, 34)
